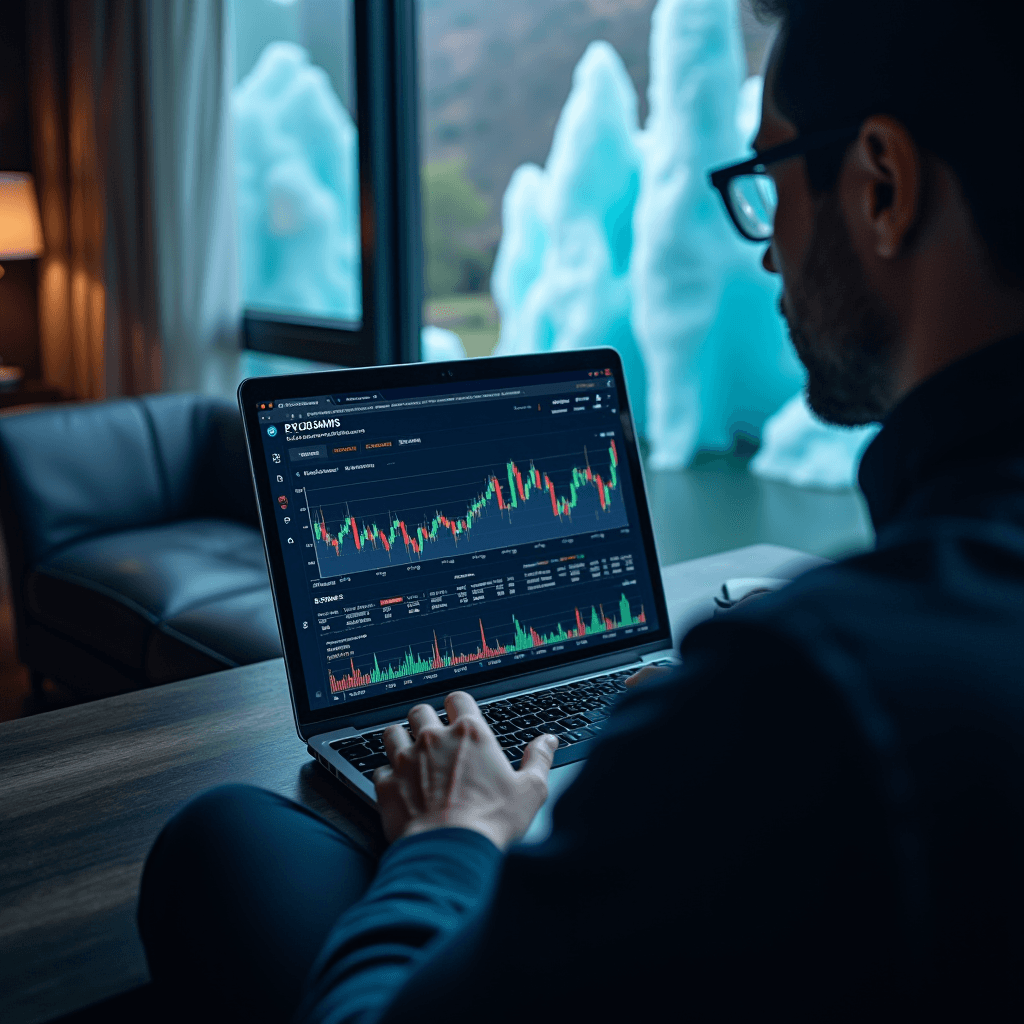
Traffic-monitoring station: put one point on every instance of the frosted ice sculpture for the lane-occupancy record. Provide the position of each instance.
(682, 246)
(748, 109)
(704, 311)
(437, 345)
(296, 167)
(520, 255)
(800, 449)
(561, 276)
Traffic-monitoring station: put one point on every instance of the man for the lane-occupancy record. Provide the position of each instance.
(822, 814)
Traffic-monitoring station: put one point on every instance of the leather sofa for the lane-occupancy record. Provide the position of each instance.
(133, 543)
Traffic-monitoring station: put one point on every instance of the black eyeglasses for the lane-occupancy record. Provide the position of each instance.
(749, 194)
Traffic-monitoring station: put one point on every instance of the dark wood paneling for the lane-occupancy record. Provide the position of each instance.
(84, 792)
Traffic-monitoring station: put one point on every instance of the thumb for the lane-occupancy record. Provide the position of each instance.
(646, 673)
(538, 755)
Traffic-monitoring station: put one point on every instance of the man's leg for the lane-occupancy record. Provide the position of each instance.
(238, 894)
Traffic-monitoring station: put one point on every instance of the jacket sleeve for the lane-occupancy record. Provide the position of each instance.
(425, 888)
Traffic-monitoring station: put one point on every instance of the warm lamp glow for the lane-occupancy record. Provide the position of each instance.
(21, 234)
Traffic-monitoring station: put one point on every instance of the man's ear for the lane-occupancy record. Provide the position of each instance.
(888, 182)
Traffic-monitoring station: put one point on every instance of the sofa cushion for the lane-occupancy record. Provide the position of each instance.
(74, 470)
(234, 629)
(165, 602)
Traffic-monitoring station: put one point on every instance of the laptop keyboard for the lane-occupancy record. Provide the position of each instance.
(573, 712)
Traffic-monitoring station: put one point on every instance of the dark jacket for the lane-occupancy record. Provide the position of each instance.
(821, 816)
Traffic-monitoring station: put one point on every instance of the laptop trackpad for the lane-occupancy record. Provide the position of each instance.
(558, 782)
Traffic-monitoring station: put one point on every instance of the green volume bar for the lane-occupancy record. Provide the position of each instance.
(523, 638)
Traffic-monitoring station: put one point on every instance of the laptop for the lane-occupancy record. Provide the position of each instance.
(477, 525)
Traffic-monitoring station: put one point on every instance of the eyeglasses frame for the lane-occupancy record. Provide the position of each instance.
(721, 177)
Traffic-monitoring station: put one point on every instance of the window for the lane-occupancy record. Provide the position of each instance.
(565, 148)
(297, 158)
(327, 232)
(493, 82)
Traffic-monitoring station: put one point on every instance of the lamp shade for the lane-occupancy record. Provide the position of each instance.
(21, 234)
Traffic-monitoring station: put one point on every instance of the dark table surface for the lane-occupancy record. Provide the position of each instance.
(85, 790)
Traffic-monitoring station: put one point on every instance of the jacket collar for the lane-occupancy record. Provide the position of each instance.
(969, 409)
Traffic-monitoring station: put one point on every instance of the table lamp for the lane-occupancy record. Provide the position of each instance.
(21, 237)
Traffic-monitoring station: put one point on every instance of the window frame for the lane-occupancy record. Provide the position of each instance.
(391, 267)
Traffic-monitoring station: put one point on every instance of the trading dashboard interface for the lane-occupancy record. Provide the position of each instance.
(445, 532)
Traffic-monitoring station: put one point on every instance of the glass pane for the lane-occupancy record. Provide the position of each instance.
(754, 200)
(493, 81)
(565, 149)
(293, 108)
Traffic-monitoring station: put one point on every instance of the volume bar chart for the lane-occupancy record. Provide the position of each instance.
(522, 504)
(442, 654)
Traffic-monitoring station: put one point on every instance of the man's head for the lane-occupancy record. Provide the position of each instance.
(900, 251)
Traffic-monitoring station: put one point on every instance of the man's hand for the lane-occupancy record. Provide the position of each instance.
(456, 776)
(647, 674)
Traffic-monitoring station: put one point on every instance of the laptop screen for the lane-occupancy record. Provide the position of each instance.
(438, 535)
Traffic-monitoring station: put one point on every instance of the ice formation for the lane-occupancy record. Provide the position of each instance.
(704, 311)
(800, 449)
(618, 240)
(520, 255)
(688, 303)
(296, 167)
(748, 109)
(683, 247)
(561, 277)
(438, 345)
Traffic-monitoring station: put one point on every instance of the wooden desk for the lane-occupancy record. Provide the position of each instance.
(85, 790)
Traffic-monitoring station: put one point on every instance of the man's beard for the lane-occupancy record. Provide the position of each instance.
(840, 330)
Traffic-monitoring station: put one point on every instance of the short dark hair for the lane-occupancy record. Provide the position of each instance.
(951, 72)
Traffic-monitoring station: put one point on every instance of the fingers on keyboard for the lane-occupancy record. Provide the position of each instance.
(573, 712)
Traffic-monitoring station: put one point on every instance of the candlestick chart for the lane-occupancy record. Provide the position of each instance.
(531, 501)
(482, 644)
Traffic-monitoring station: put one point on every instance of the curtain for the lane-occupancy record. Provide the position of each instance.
(97, 314)
(138, 288)
(189, 88)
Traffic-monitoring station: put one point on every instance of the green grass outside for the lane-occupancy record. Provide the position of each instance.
(473, 317)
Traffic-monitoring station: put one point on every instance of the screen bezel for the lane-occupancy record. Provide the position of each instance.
(263, 389)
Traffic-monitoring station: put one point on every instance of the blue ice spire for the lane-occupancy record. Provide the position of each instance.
(296, 166)
(561, 275)
(703, 310)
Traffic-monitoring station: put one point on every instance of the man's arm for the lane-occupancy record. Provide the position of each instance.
(726, 818)
(426, 887)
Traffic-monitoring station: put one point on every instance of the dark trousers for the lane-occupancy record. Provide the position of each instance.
(237, 897)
